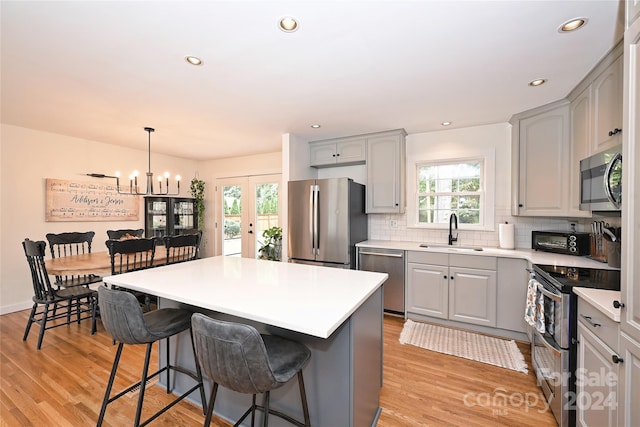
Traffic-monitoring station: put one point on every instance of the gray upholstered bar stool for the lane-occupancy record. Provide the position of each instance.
(123, 319)
(237, 357)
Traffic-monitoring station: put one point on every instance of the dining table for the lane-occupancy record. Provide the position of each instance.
(98, 263)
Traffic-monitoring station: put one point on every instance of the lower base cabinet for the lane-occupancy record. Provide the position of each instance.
(598, 370)
(629, 409)
(454, 287)
(596, 382)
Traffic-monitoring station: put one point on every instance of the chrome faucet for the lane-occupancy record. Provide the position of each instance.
(453, 219)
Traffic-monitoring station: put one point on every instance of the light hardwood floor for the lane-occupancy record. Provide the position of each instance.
(63, 384)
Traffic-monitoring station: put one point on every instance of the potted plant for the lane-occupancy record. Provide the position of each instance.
(197, 192)
(271, 248)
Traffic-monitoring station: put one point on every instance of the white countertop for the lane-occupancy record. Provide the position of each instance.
(536, 257)
(602, 300)
(303, 298)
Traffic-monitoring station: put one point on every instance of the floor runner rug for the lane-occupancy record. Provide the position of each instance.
(481, 348)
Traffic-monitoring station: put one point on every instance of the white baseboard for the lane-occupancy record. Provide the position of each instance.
(6, 309)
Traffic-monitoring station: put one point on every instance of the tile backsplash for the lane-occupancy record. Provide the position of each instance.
(394, 227)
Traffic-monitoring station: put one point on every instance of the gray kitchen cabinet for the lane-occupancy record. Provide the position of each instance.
(607, 107)
(386, 172)
(581, 137)
(629, 411)
(540, 150)
(513, 278)
(452, 287)
(339, 151)
(597, 374)
(428, 284)
(472, 296)
(629, 387)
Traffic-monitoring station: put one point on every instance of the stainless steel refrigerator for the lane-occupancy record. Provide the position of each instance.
(326, 219)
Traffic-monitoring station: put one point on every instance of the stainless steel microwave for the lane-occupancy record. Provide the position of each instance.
(601, 181)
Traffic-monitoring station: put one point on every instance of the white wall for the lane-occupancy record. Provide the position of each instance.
(260, 164)
(27, 158)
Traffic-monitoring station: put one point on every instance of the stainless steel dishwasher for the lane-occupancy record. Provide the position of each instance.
(390, 261)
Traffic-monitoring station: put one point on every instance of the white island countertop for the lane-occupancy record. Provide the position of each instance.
(308, 299)
(536, 257)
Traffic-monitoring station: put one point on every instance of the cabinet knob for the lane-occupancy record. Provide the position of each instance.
(617, 359)
(445, 277)
(250, 231)
(617, 304)
(520, 205)
(615, 131)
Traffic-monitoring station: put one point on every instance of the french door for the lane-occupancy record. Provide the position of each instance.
(247, 206)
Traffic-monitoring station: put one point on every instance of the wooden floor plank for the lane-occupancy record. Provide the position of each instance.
(63, 384)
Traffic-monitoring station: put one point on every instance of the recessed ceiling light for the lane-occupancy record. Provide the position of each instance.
(316, 126)
(572, 25)
(446, 123)
(288, 24)
(537, 82)
(193, 60)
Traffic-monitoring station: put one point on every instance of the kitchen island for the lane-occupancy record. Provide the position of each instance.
(337, 313)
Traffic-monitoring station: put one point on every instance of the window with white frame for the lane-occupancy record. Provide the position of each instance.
(454, 186)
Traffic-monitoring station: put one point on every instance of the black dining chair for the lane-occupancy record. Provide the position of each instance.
(133, 255)
(80, 301)
(181, 248)
(127, 324)
(124, 232)
(237, 357)
(68, 244)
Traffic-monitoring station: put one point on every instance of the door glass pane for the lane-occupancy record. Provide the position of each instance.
(232, 220)
(266, 203)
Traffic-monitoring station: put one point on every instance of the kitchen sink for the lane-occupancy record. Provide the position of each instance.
(452, 248)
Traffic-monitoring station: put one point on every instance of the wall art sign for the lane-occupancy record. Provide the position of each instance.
(88, 201)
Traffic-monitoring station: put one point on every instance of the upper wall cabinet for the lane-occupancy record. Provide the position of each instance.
(607, 107)
(385, 172)
(383, 154)
(597, 102)
(342, 151)
(580, 147)
(540, 154)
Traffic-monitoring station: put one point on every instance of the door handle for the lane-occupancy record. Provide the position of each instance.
(591, 322)
(607, 182)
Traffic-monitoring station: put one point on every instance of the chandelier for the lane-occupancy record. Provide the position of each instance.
(133, 179)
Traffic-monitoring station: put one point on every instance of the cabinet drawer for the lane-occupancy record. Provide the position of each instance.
(607, 329)
(473, 261)
(436, 258)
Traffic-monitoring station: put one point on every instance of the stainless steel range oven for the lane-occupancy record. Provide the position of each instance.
(554, 351)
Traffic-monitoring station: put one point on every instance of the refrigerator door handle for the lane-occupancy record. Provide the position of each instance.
(312, 199)
(316, 207)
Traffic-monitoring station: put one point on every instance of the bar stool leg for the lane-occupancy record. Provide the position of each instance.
(143, 383)
(212, 401)
(303, 398)
(266, 408)
(107, 393)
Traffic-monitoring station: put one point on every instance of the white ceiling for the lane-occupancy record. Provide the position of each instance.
(102, 71)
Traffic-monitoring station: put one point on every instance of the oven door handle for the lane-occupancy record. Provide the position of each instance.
(548, 345)
(549, 294)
